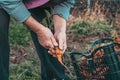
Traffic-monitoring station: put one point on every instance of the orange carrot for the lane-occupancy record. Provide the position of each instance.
(58, 54)
(117, 40)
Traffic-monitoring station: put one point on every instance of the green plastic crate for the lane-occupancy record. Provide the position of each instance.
(99, 62)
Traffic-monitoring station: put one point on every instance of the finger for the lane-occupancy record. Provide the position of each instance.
(54, 41)
(49, 45)
(60, 44)
(50, 52)
(64, 46)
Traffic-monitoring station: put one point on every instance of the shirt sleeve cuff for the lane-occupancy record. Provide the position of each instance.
(62, 10)
(16, 9)
(20, 13)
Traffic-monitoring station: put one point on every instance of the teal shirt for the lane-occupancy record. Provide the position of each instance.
(19, 12)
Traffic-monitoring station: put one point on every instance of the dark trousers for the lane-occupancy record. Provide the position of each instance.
(4, 45)
(50, 67)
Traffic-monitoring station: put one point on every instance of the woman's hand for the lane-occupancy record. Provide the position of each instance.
(46, 38)
(61, 39)
(60, 32)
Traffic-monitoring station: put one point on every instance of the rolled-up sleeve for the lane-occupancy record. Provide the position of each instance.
(16, 9)
(63, 9)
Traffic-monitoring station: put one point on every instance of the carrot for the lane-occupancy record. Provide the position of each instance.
(58, 51)
(58, 54)
(117, 40)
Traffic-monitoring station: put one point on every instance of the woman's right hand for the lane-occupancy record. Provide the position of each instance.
(46, 38)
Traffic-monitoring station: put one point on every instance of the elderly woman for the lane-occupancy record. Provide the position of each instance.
(30, 13)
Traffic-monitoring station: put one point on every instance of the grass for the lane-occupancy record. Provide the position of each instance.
(22, 67)
(89, 28)
(27, 68)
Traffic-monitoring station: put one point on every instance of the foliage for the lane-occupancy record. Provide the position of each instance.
(18, 34)
(47, 21)
(89, 29)
(95, 10)
(112, 5)
(24, 71)
(27, 69)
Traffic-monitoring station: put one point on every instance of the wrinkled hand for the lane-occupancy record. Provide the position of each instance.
(46, 38)
(61, 40)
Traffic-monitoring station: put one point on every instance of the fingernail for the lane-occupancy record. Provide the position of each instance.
(56, 44)
(60, 47)
(53, 55)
